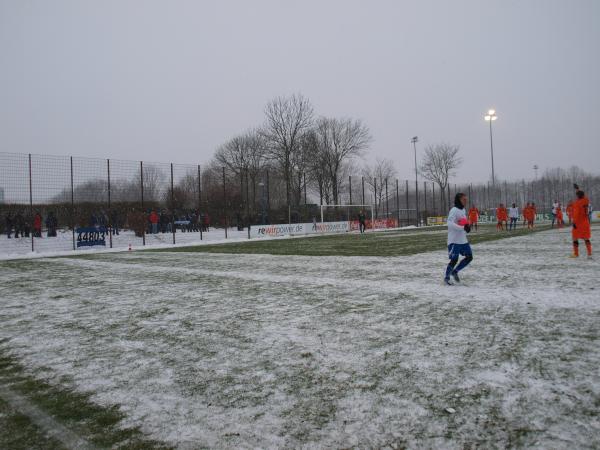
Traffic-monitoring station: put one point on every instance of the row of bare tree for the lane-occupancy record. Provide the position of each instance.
(306, 152)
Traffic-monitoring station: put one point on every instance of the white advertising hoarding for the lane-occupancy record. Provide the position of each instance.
(298, 229)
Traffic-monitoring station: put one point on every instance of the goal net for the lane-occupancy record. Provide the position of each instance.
(345, 213)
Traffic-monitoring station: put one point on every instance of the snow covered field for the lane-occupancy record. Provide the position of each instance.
(240, 351)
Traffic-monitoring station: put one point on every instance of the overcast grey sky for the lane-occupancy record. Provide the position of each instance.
(171, 80)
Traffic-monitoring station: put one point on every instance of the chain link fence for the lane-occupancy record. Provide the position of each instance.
(61, 203)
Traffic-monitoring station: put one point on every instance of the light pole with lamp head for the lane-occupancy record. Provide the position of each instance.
(490, 117)
(414, 141)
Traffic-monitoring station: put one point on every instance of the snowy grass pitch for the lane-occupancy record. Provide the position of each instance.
(198, 350)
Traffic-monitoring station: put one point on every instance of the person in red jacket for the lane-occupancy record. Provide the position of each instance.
(581, 223)
(37, 225)
(502, 216)
(154, 221)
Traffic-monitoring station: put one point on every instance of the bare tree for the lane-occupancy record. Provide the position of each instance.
(375, 177)
(244, 156)
(154, 179)
(338, 141)
(439, 163)
(287, 119)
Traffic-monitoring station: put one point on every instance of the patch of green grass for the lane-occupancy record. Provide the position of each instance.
(97, 424)
(390, 243)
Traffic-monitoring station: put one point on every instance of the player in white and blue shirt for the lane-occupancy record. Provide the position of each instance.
(458, 227)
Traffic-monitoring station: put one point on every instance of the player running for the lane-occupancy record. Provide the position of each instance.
(502, 216)
(473, 216)
(581, 223)
(458, 227)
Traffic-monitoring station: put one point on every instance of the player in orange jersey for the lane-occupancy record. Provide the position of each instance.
(559, 216)
(532, 214)
(473, 216)
(581, 223)
(502, 216)
(570, 212)
(526, 210)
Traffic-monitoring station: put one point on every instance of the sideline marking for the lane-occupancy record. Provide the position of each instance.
(49, 425)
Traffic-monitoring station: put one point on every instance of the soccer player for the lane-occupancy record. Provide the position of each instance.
(473, 216)
(570, 212)
(502, 216)
(532, 214)
(555, 205)
(581, 223)
(526, 210)
(361, 222)
(513, 214)
(559, 216)
(458, 227)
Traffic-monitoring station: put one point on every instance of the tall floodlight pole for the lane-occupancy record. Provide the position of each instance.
(490, 117)
(414, 141)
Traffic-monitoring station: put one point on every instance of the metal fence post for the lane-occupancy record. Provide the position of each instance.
(110, 224)
(31, 205)
(362, 179)
(172, 205)
(425, 198)
(387, 200)
(407, 207)
(398, 201)
(224, 204)
(349, 187)
(200, 224)
(306, 218)
(143, 215)
(268, 199)
(72, 205)
(375, 197)
(248, 201)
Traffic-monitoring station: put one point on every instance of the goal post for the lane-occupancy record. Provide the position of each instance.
(336, 213)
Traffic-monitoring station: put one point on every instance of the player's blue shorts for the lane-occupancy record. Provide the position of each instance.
(455, 250)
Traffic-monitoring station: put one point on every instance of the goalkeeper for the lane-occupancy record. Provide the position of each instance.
(458, 227)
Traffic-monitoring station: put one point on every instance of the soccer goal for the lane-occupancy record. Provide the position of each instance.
(339, 213)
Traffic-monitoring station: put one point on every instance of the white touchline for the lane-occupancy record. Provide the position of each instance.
(50, 426)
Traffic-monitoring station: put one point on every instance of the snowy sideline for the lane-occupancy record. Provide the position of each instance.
(62, 244)
(260, 351)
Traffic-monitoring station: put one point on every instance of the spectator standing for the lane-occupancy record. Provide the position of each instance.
(51, 224)
(37, 225)
(8, 221)
(154, 219)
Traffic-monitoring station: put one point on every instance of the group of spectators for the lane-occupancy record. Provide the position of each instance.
(20, 223)
(23, 225)
(111, 222)
(163, 222)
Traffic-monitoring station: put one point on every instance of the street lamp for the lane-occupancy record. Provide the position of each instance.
(490, 117)
(414, 141)
(535, 168)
